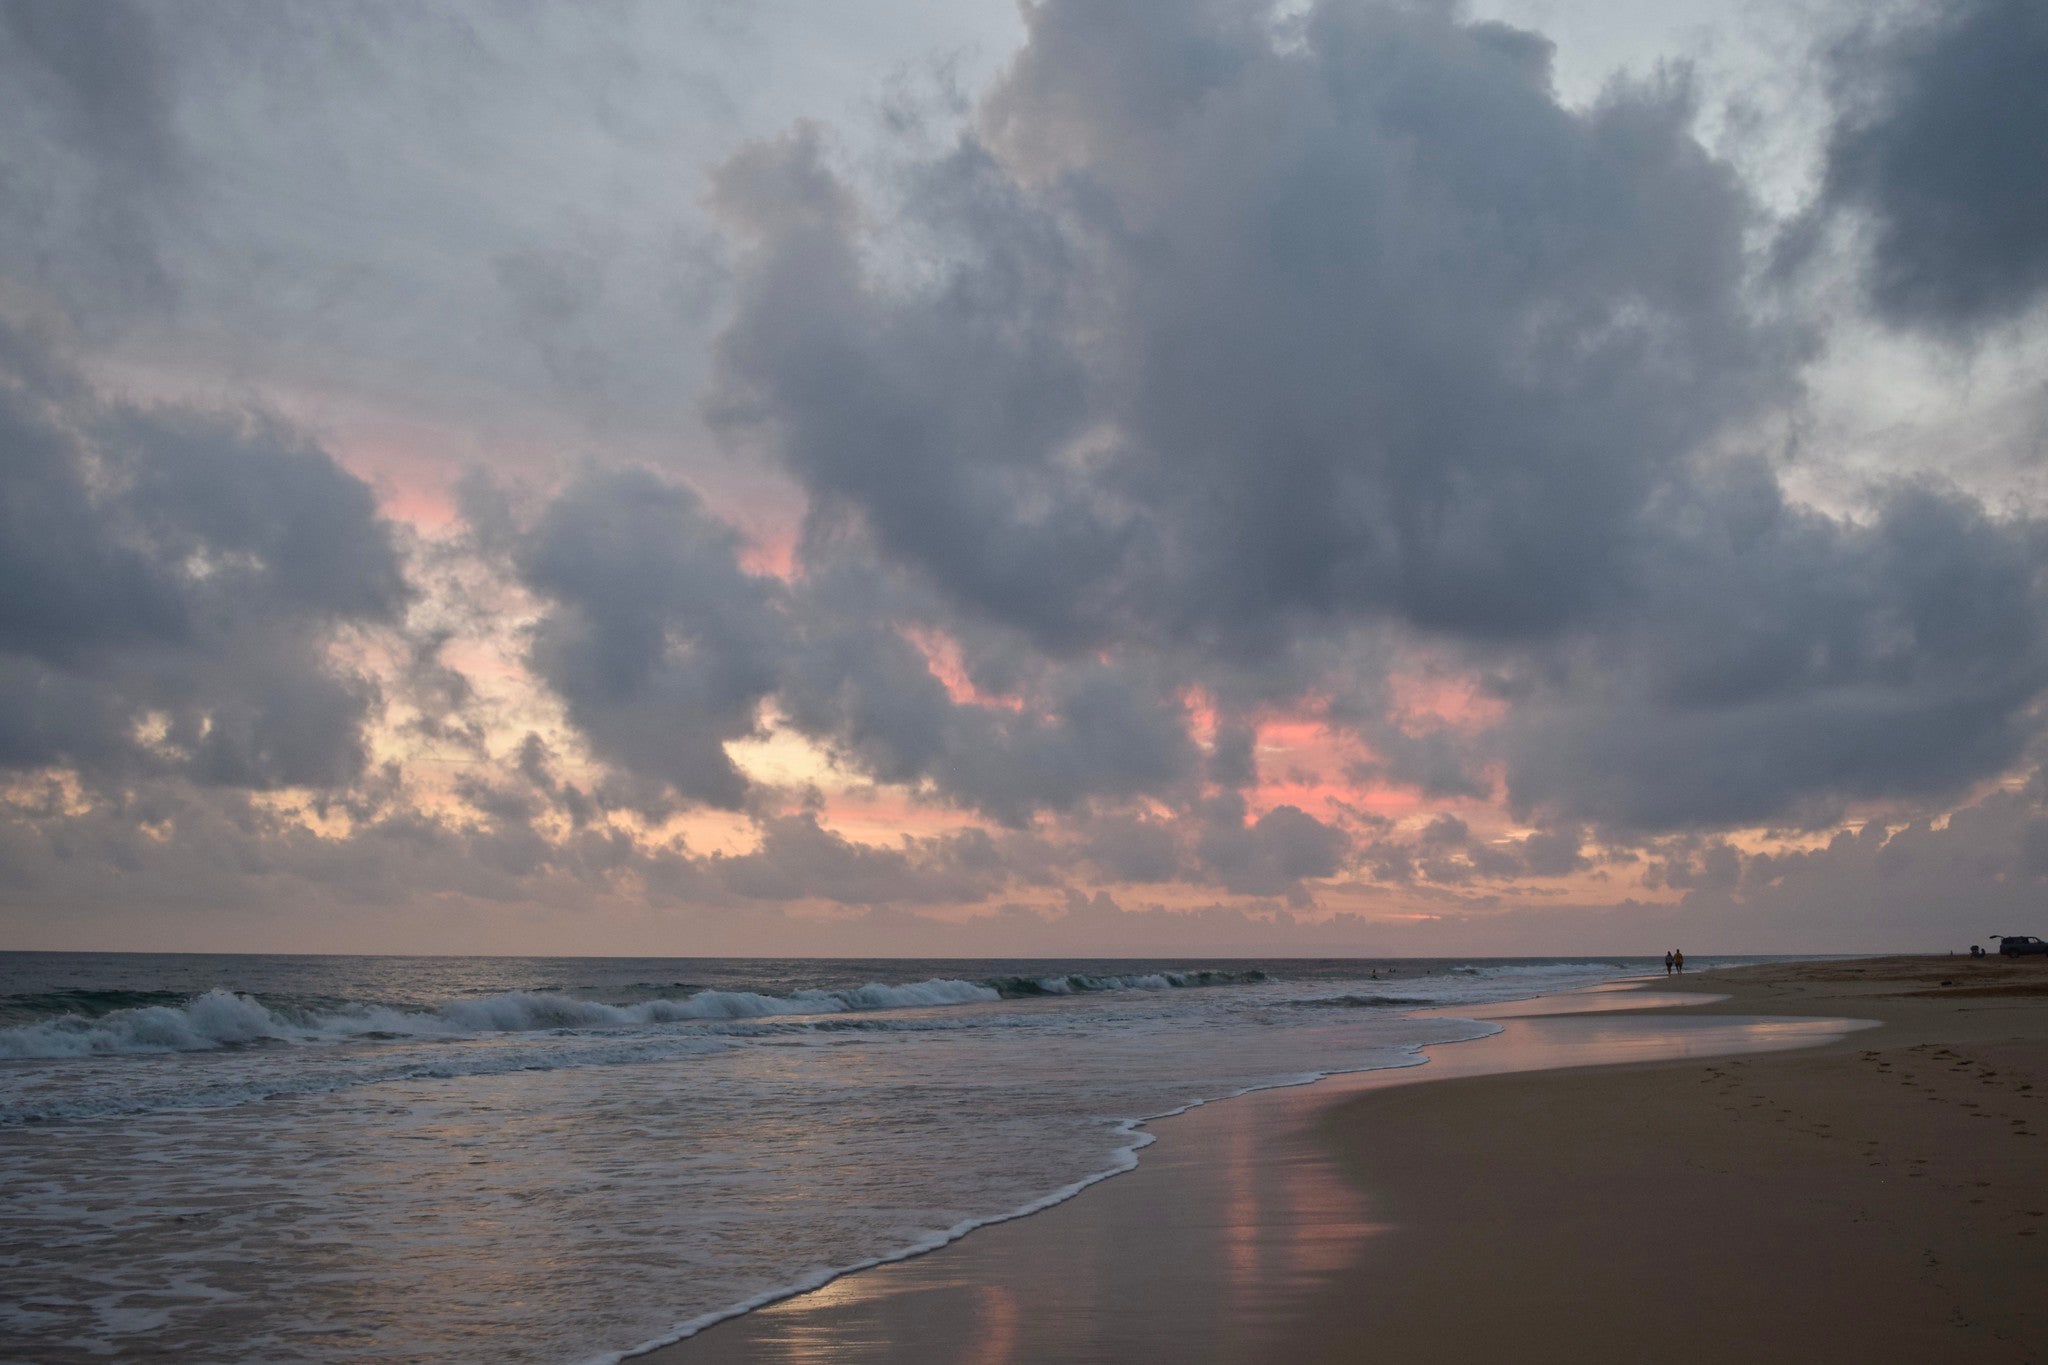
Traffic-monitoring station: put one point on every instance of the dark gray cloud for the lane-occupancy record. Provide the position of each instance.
(1910, 884)
(1943, 145)
(799, 860)
(1103, 731)
(1445, 853)
(1217, 341)
(660, 644)
(1696, 864)
(1269, 856)
(1221, 366)
(170, 583)
(865, 688)
(1773, 661)
(1124, 847)
(1214, 337)
(665, 650)
(1439, 763)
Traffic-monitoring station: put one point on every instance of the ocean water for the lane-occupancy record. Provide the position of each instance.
(565, 1159)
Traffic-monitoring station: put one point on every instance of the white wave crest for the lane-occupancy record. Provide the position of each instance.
(216, 1019)
(875, 996)
(1068, 985)
(221, 1018)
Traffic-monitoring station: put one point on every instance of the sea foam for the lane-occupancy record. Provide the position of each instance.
(221, 1018)
(693, 1139)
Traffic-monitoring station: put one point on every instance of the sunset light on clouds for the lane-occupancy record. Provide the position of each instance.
(1197, 478)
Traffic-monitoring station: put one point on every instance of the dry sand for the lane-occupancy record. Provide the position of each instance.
(1627, 1185)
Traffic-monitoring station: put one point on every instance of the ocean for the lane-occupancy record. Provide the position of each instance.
(259, 1158)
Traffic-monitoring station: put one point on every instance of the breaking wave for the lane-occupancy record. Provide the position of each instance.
(222, 1018)
(1014, 987)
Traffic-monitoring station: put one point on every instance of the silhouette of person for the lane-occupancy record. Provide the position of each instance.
(1667, 964)
(1678, 959)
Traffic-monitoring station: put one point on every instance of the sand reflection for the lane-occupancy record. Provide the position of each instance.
(1233, 1219)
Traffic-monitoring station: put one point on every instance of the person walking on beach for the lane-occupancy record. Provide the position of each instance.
(1678, 960)
(1667, 964)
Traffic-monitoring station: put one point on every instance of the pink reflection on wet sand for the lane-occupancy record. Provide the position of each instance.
(1232, 1219)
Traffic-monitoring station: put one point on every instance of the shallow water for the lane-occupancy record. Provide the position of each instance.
(386, 1158)
(1235, 1225)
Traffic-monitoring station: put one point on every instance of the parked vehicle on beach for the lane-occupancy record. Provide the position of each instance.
(2019, 945)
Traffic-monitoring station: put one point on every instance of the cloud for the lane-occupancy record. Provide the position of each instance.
(1272, 855)
(1211, 338)
(92, 164)
(1445, 853)
(1884, 884)
(798, 859)
(1124, 847)
(665, 650)
(660, 644)
(1772, 661)
(1942, 146)
(1227, 346)
(1219, 371)
(1058, 733)
(171, 581)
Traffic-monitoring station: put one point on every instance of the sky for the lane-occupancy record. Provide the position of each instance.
(946, 478)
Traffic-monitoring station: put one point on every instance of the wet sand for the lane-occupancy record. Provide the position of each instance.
(1884, 1198)
(1636, 1200)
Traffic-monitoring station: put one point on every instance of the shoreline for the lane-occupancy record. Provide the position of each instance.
(1125, 1160)
(1242, 1194)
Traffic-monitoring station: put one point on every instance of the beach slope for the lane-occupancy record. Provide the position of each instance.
(1882, 1198)
(1742, 1179)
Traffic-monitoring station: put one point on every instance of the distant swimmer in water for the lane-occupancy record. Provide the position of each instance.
(1678, 959)
(1667, 964)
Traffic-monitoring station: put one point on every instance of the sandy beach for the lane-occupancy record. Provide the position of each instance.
(1881, 1198)
(1836, 1161)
